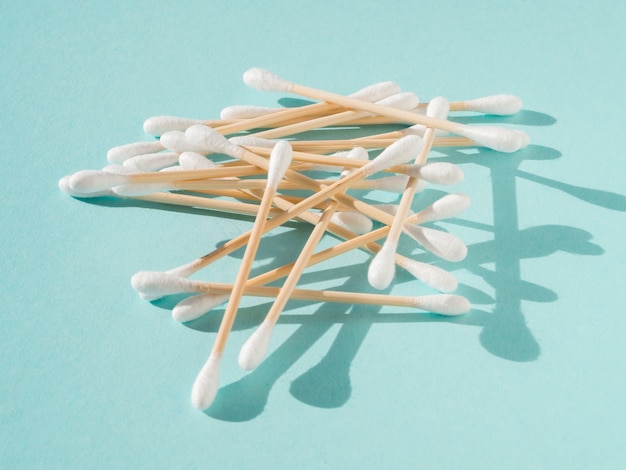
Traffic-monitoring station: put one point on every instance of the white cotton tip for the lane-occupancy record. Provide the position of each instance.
(64, 185)
(353, 221)
(376, 92)
(401, 151)
(243, 111)
(496, 138)
(443, 173)
(391, 184)
(279, 162)
(442, 244)
(438, 108)
(431, 275)
(177, 141)
(391, 209)
(159, 125)
(152, 161)
(197, 305)
(210, 140)
(444, 304)
(123, 152)
(119, 169)
(141, 189)
(253, 141)
(448, 206)
(501, 105)
(206, 384)
(90, 181)
(194, 161)
(406, 101)
(255, 349)
(159, 284)
(383, 267)
(261, 79)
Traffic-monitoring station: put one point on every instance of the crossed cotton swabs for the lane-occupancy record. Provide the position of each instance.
(258, 180)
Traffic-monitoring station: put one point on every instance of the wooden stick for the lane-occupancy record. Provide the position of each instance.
(205, 386)
(449, 304)
(185, 200)
(381, 269)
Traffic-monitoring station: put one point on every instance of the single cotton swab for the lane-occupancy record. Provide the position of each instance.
(167, 284)
(87, 181)
(206, 384)
(501, 139)
(381, 269)
(501, 105)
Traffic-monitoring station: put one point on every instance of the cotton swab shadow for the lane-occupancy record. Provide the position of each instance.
(597, 197)
(246, 399)
(506, 335)
(483, 156)
(276, 246)
(524, 117)
(293, 102)
(327, 384)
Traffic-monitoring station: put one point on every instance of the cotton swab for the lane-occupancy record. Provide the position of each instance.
(500, 105)
(86, 181)
(444, 304)
(205, 386)
(496, 138)
(382, 268)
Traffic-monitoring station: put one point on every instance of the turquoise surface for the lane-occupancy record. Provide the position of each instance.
(93, 377)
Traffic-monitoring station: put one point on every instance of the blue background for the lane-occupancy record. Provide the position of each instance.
(532, 377)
